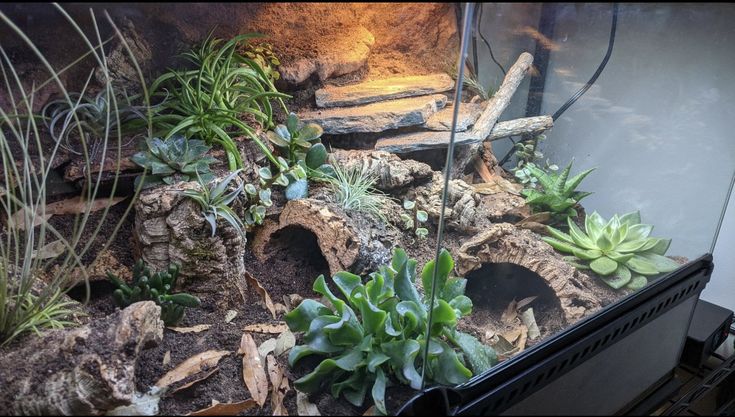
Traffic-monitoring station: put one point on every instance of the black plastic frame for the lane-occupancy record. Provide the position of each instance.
(512, 381)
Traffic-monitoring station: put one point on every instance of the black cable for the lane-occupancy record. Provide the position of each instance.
(597, 73)
(581, 91)
(489, 48)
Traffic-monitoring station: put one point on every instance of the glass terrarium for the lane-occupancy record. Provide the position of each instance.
(356, 209)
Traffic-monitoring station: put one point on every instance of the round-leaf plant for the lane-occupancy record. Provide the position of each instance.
(374, 335)
(620, 250)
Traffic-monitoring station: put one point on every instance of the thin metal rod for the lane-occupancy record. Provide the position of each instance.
(466, 26)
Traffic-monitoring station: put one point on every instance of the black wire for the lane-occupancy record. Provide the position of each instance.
(597, 73)
(489, 48)
(581, 91)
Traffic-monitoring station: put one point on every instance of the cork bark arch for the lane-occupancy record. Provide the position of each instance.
(336, 236)
(504, 243)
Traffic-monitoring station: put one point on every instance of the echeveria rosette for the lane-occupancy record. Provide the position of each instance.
(620, 250)
(559, 195)
(174, 159)
(375, 333)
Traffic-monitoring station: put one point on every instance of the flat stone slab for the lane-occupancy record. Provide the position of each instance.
(381, 90)
(468, 114)
(376, 117)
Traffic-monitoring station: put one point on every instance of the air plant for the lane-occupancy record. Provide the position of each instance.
(174, 159)
(353, 190)
(374, 332)
(619, 250)
(29, 303)
(210, 101)
(215, 202)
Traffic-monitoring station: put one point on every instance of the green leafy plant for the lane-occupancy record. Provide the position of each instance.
(374, 334)
(33, 287)
(86, 118)
(215, 201)
(413, 218)
(354, 189)
(528, 154)
(174, 159)
(559, 194)
(300, 144)
(212, 100)
(262, 54)
(157, 287)
(619, 250)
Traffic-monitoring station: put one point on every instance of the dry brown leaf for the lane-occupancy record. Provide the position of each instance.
(524, 338)
(277, 328)
(526, 301)
(230, 315)
(266, 347)
(73, 205)
(253, 283)
(304, 407)
(280, 386)
(483, 170)
(529, 321)
(542, 217)
(512, 335)
(201, 362)
(193, 329)
(510, 313)
(284, 342)
(253, 372)
(167, 358)
(225, 409)
(195, 379)
(49, 250)
(280, 308)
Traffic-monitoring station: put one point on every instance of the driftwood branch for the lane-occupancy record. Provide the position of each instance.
(497, 105)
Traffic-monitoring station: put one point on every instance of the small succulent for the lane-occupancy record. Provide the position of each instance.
(413, 218)
(559, 194)
(353, 189)
(156, 287)
(300, 144)
(215, 202)
(619, 250)
(174, 159)
(263, 55)
(528, 154)
(378, 330)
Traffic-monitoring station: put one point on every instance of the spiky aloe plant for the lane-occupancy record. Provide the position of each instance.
(559, 194)
(619, 250)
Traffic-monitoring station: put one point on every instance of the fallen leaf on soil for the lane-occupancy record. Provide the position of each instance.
(143, 404)
(504, 348)
(225, 409)
(280, 308)
(167, 358)
(252, 282)
(201, 362)
(49, 250)
(524, 302)
(195, 379)
(266, 347)
(530, 322)
(524, 338)
(230, 315)
(193, 329)
(253, 372)
(280, 386)
(73, 205)
(542, 217)
(510, 313)
(304, 407)
(277, 328)
(284, 342)
(513, 335)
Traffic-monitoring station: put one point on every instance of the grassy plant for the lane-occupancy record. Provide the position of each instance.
(377, 330)
(620, 250)
(155, 286)
(211, 100)
(215, 202)
(28, 302)
(353, 189)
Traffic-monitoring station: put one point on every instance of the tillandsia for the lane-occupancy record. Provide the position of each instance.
(215, 202)
(353, 189)
(300, 144)
(619, 250)
(211, 100)
(413, 218)
(374, 334)
(155, 286)
(174, 159)
(558, 195)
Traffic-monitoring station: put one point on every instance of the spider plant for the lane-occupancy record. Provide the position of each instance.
(211, 100)
(353, 189)
(27, 302)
